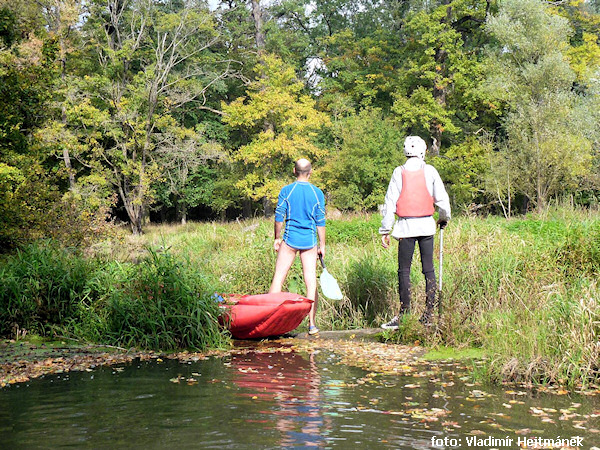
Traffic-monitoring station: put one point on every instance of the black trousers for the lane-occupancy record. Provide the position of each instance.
(406, 249)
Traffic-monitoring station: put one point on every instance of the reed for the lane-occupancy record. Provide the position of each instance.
(41, 287)
(160, 302)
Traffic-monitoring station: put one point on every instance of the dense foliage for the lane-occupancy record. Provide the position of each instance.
(159, 303)
(183, 108)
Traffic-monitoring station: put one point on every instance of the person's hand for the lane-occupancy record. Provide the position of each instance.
(442, 223)
(277, 244)
(321, 251)
(385, 240)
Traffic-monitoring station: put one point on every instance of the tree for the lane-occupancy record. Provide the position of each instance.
(31, 201)
(548, 125)
(440, 67)
(352, 183)
(274, 97)
(184, 161)
(584, 53)
(61, 17)
(155, 58)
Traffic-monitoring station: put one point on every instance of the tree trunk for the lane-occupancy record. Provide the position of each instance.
(63, 76)
(268, 207)
(440, 90)
(136, 226)
(439, 94)
(134, 208)
(69, 167)
(260, 46)
(258, 26)
(136, 215)
(183, 214)
(246, 208)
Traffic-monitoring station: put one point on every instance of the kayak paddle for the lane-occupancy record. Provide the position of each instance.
(329, 285)
(441, 268)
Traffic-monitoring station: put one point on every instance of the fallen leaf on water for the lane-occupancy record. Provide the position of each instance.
(451, 424)
(511, 392)
(523, 431)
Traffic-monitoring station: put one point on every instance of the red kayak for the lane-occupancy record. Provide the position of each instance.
(259, 316)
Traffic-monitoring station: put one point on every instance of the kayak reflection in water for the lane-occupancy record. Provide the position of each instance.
(292, 382)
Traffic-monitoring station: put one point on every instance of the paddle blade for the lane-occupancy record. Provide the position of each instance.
(330, 286)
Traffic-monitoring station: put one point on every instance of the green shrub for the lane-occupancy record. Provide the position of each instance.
(160, 303)
(41, 287)
(370, 286)
(580, 252)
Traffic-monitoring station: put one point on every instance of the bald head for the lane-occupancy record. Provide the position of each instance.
(302, 167)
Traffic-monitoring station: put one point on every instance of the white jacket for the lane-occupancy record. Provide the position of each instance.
(414, 226)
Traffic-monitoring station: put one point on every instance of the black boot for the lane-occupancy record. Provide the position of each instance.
(431, 291)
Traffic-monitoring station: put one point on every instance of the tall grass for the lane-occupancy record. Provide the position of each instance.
(161, 302)
(524, 290)
(41, 286)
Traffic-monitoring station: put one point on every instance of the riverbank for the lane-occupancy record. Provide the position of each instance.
(22, 361)
(522, 291)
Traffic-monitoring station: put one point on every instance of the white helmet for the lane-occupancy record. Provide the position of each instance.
(414, 146)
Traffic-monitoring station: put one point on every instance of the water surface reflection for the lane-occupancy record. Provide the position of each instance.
(279, 399)
(290, 383)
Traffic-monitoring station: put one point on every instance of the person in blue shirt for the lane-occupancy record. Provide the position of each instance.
(300, 229)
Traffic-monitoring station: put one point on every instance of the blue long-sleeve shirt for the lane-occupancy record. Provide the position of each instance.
(301, 205)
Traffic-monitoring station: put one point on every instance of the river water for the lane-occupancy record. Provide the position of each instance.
(286, 399)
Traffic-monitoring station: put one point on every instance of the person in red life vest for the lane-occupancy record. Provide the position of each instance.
(414, 191)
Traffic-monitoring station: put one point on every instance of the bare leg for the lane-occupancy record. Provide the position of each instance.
(309, 272)
(285, 259)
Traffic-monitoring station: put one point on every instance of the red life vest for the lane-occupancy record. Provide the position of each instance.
(415, 200)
